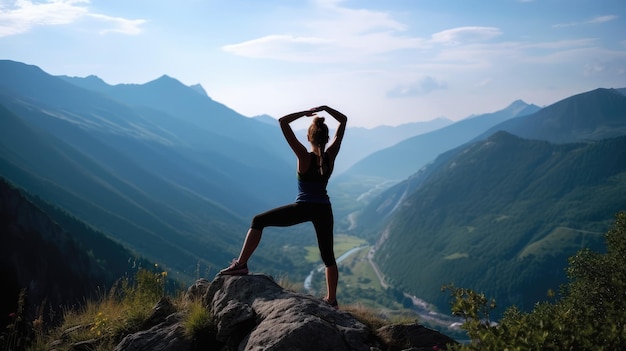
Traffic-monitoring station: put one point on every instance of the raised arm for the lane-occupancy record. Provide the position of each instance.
(297, 147)
(335, 144)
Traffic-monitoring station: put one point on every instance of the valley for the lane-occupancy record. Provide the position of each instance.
(495, 202)
(362, 283)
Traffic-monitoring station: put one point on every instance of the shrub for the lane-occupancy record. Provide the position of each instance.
(590, 315)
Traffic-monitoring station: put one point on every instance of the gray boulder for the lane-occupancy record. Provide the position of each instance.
(272, 318)
(253, 312)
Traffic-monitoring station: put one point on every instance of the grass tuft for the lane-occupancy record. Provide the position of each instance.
(197, 319)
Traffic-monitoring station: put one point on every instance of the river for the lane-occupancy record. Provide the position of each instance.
(309, 278)
(421, 307)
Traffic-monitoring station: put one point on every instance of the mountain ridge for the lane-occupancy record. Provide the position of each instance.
(524, 122)
(60, 260)
(85, 188)
(591, 115)
(400, 161)
(455, 221)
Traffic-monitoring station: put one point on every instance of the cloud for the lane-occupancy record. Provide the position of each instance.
(425, 85)
(23, 15)
(288, 47)
(120, 25)
(465, 35)
(595, 20)
(333, 34)
(602, 19)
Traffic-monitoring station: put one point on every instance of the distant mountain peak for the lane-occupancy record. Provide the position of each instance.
(592, 115)
(167, 82)
(517, 106)
(199, 89)
(518, 102)
(94, 78)
(165, 79)
(91, 82)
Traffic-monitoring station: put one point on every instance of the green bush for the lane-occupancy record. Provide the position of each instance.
(589, 315)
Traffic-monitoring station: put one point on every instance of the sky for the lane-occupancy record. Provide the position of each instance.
(379, 62)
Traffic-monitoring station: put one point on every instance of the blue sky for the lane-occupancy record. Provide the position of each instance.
(380, 62)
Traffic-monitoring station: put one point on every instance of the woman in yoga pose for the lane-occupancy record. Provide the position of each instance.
(312, 203)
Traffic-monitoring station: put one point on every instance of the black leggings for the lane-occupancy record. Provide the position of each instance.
(320, 214)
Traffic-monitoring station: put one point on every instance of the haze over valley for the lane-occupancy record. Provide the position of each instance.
(166, 175)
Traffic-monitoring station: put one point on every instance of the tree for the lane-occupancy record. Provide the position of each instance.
(589, 315)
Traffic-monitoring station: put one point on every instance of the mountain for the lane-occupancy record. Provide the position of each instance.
(502, 216)
(169, 173)
(60, 259)
(601, 113)
(359, 142)
(380, 170)
(407, 157)
(168, 95)
(592, 115)
(503, 213)
(266, 119)
(177, 188)
(186, 104)
(106, 196)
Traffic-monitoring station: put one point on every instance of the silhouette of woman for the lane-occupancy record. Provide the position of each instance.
(312, 203)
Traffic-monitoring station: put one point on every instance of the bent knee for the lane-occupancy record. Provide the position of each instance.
(257, 223)
(329, 260)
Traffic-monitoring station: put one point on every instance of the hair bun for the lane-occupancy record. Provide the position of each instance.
(319, 121)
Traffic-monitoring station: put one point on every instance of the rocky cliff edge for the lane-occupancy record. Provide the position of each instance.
(253, 312)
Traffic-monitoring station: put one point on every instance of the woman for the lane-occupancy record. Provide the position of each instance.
(312, 203)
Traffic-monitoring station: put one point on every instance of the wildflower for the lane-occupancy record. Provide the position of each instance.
(12, 314)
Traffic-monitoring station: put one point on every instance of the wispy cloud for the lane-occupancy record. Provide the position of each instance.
(594, 20)
(339, 34)
(24, 15)
(425, 85)
(120, 25)
(465, 35)
(334, 34)
(287, 47)
(602, 19)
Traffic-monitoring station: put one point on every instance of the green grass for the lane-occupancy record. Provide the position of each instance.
(362, 274)
(560, 239)
(104, 322)
(343, 243)
(198, 319)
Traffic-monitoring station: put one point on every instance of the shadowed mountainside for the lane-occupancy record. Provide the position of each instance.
(59, 260)
(500, 216)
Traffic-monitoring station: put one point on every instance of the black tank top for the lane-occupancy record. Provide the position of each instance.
(312, 183)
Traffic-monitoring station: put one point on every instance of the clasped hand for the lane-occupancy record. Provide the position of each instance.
(315, 110)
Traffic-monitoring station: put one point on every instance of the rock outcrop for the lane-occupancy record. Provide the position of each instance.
(253, 312)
